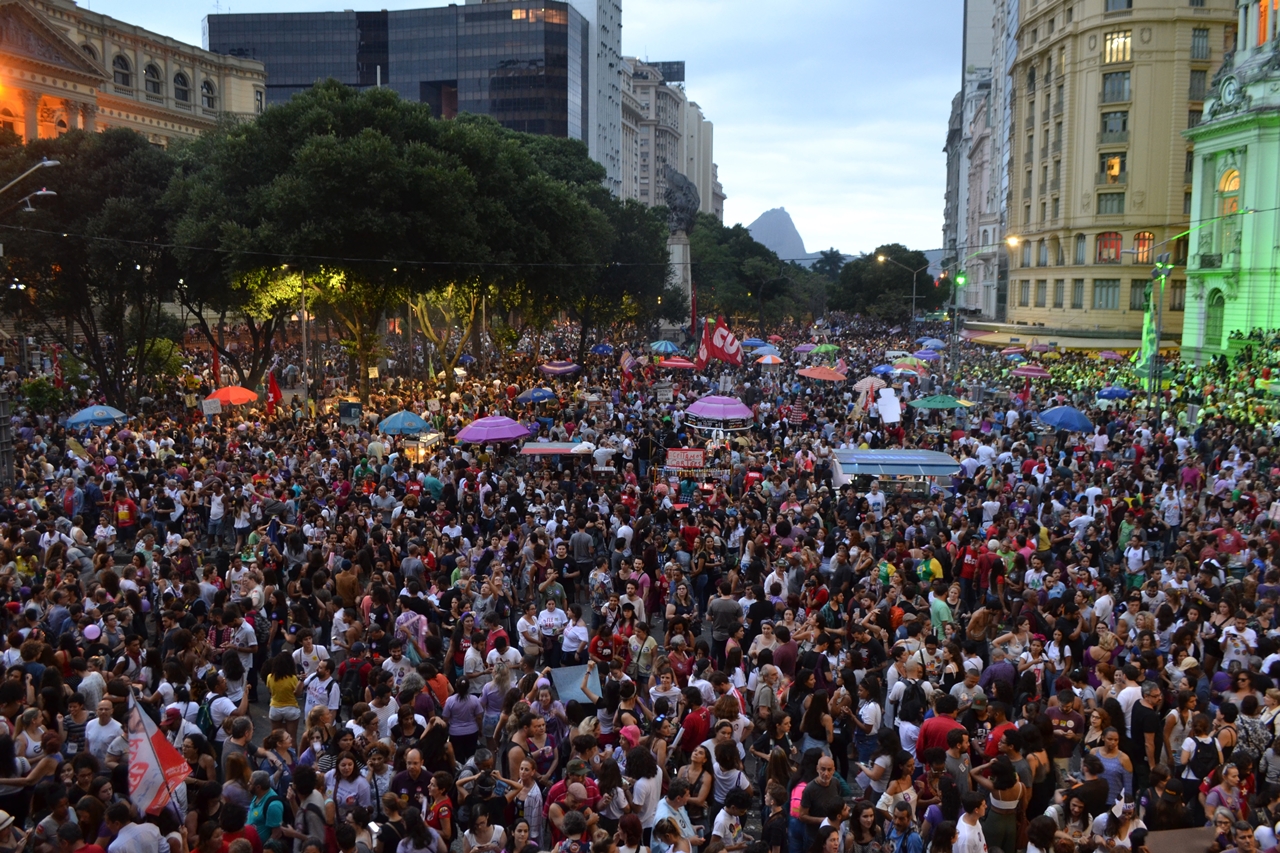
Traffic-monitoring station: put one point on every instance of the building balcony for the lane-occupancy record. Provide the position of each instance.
(1057, 108)
(1210, 262)
(1028, 156)
(1057, 146)
(1113, 137)
(1031, 121)
(1055, 184)
(1026, 191)
(1044, 114)
(1103, 179)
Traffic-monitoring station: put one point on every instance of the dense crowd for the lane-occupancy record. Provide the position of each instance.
(359, 644)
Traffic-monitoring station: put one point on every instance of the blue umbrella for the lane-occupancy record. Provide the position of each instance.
(926, 355)
(1014, 357)
(466, 358)
(882, 369)
(1113, 392)
(403, 423)
(96, 416)
(602, 349)
(767, 351)
(559, 368)
(754, 342)
(923, 338)
(1065, 417)
(664, 347)
(934, 343)
(536, 395)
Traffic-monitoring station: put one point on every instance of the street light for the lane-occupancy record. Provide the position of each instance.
(43, 164)
(914, 275)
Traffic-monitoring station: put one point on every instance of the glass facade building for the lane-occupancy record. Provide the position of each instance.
(523, 62)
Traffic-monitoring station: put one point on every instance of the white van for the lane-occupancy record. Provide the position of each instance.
(892, 355)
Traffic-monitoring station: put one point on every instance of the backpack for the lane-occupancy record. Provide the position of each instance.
(913, 702)
(350, 689)
(204, 721)
(289, 816)
(1252, 738)
(1204, 759)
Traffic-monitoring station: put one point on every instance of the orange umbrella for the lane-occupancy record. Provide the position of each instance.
(826, 374)
(233, 395)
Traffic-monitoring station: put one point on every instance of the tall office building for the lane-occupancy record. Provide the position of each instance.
(1099, 171)
(669, 130)
(539, 66)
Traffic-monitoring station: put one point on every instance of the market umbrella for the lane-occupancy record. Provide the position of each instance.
(559, 368)
(1030, 371)
(923, 338)
(912, 363)
(926, 355)
(403, 423)
(714, 407)
(753, 343)
(1068, 418)
(823, 349)
(466, 358)
(775, 338)
(602, 349)
(536, 395)
(937, 401)
(882, 369)
(494, 428)
(1017, 356)
(233, 395)
(768, 359)
(1110, 355)
(1039, 347)
(1011, 350)
(96, 416)
(803, 348)
(823, 373)
(934, 343)
(664, 347)
(869, 383)
(677, 363)
(1113, 392)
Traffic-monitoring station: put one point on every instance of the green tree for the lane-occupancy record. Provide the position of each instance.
(884, 289)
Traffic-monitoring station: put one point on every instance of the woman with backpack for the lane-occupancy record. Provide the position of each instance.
(1200, 756)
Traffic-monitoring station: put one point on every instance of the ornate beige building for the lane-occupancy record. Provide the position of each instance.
(1099, 171)
(63, 67)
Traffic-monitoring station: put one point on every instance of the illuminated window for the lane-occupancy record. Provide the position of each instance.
(1116, 47)
(1109, 245)
(1143, 243)
(1111, 167)
(1229, 193)
(1264, 11)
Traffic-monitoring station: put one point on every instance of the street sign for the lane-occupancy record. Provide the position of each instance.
(664, 392)
(373, 372)
(211, 407)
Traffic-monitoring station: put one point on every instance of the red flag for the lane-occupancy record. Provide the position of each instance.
(156, 769)
(58, 381)
(724, 345)
(704, 348)
(273, 393)
(217, 368)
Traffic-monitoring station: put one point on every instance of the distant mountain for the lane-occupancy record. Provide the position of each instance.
(776, 231)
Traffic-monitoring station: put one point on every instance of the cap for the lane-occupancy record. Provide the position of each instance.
(576, 767)
(979, 701)
(631, 734)
(358, 648)
(172, 714)
(1188, 663)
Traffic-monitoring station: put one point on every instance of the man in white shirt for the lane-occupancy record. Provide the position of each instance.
(969, 835)
(321, 690)
(875, 499)
(1130, 692)
(101, 731)
(308, 655)
(1239, 641)
(220, 707)
(132, 837)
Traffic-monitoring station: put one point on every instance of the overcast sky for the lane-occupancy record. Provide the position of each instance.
(834, 109)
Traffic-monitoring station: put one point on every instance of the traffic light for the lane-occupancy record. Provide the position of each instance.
(961, 279)
(1163, 266)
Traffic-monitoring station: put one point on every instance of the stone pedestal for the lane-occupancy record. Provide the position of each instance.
(678, 250)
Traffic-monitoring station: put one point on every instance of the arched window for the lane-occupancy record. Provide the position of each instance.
(1229, 193)
(1080, 250)
(1109, 245)
(1213, 316)
(181, 88)
(89, 51)
(1042, 254)
(1143, 243)
(155, 82)
(986, 238)
(122, 71)
(208, 95)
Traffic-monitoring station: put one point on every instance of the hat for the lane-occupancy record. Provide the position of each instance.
(1188, 663)
(6, 820)
(172, 714)
(631, 734)
(184, 543)
(357, 648)
(979, 701)
(576, 767)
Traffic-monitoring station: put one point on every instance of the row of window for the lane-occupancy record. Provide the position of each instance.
(1108, 249)
(1106, 294)
(153, 81)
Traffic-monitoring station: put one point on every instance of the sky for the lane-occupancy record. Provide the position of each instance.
(834, 109)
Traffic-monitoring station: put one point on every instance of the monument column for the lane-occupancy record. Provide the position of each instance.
(30, 116)
(72, 109)
(682, 202)
(89, 112)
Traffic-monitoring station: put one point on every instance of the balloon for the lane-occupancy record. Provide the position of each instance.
(92, 632)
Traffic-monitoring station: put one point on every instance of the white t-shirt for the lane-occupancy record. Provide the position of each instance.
(645, 795)
(98, 737)
(308, 663)
(526, 627)
(1236, 644)
(969, 838)
(551, 621)
(323, 694)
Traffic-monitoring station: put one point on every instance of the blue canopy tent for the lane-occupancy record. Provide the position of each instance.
(897, 463)
(1065, 417)
(403, 423)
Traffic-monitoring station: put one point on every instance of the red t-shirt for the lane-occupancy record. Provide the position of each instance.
(247, 832)
(440, 812)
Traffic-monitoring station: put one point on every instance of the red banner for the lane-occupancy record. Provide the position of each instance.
(686, 457)
(724, 345)
(274, 394)
(155, 767)
(217, 368)
(704, 349)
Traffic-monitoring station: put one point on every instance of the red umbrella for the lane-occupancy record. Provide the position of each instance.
(775, 338)
(233, 395)
(677, 363)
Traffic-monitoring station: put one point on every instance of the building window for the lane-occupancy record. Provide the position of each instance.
(1026, 254)
(1080, 250)
(1024, 294)
(181, 88)
(153, 80)
(259, 100)
(1026, 214)
(1058, 259)
(121, 72)
(208, 95)
(1077, 293)
(1180, 248)
(1111, 167)
(1116, 47)
(1070, 14)
(1110, 243)
(1106, 294)
(1229, 193)
(1119, 5)
(1199, 82)
(1138, 294)
(1042, 254)
(1042, 291)
(1194, 117)
(1143, 243)
(1264, 22)
(1186, 204)
(89, 51)
(1177, 296)
(1115, 122)
(1110, 204)
(1059, 288)
(1057, 211)
(1199, 43)
(1197, 4)
(1115, 87)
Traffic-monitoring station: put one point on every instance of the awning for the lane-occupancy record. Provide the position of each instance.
(547, 448)
(897, 463)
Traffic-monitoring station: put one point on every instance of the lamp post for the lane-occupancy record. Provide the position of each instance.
(914, 277)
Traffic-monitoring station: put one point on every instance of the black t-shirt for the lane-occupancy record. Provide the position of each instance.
(822, 801)
(1146, 721)
(774, 830)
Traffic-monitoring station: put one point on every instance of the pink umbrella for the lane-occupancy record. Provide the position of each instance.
(720, 408)
(802, 348)
(678, 363)
(495, 428)
(974, 334)
(1110, 355)
(1030, 371)
(1040, 347)
(1013, 350)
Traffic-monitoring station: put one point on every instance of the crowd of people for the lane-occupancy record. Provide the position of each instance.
(359, 645)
